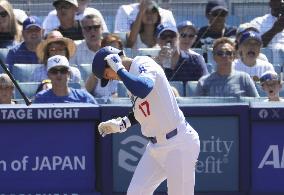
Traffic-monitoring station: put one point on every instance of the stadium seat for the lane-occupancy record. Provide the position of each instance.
(75, 85)
(121, 90)
(3, 54)
(85, 70)
(190, 88)
(209, 100)
(277, 68)
(210, 67)
(152, 52)
(29, 89)
(268, 53)
(179, 87)
(119, 101)
(24, 72)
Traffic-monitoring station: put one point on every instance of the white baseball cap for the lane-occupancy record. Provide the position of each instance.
(57, 61)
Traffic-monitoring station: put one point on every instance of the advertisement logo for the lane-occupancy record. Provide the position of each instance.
(272, 158)
(217, 154)
(263, 113)
(129, 156)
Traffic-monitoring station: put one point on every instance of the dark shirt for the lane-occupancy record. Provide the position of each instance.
(6, 40)
(74, 33)
(20, 55)
(205, 33)
(190, 67)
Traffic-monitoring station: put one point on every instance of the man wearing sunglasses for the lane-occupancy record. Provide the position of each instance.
(216, 13)
(178, 64)
(92, 31)
(58, 71)
(225, 82)
(51, 22)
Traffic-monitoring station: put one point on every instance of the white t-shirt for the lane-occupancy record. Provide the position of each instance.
(158, 113)
(126, 15)
(52, 22)
(265, 23)
(107, 91)
(258, 69)
(83, 54)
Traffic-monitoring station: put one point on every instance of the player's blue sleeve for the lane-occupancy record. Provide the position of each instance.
(138, 86)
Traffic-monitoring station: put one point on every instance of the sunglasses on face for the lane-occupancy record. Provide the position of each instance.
(219, 14)
(224, 53)
(57, 49)
(58, 70)
(63, 6)
(184, 35)
(164, 36)
(3, 14)
(93, 27)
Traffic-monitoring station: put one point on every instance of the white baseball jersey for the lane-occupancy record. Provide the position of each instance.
(158, 113)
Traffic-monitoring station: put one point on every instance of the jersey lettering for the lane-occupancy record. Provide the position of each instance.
(114, 59)
(145, 108)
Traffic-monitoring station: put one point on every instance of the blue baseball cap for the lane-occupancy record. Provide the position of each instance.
(31, 21)
(250, 35)
(186, 23)
(163, 27)
(269, 76)
(99, 63)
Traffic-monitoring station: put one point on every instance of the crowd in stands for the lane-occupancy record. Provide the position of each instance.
(223, 60)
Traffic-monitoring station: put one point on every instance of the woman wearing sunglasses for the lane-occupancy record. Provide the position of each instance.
(55, 44)
(187, 35)
(10, 30)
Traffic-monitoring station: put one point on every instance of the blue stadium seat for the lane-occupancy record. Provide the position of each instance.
(29, 89)
(3, 54)
(121, 90)
(268, 53)
(24, 72)
(85, 70)
(206, 100)
(119, 101)
(179, 86)
(277, 68)
(152, 52)
(190, 88)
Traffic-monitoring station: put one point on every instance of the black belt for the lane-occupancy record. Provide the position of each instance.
(168, 136)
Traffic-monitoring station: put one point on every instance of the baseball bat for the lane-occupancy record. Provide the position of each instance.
(26, 99)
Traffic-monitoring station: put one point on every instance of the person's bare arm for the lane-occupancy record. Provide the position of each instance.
(91, 83)
(277, 27)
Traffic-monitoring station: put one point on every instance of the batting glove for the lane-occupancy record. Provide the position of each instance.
(117, 125)
(114, 61)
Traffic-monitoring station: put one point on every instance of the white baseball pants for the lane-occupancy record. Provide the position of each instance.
(173, 160)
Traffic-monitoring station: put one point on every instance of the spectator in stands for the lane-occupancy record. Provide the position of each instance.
(94, 85)
(55, 44)
(25, 52)
(92, 30)
(58, 69)
(178, 64)
(112, 40)
(127, 14)
(242, 29)
(225, 81)
(249, 49)
(10, 31)
(187, 35)
(216, 13)
(69, 26)
(271, 25)
(51, 22)
(271, 84)
(6, 89)
(142, 30)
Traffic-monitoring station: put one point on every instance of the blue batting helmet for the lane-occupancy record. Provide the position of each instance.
(99, 63)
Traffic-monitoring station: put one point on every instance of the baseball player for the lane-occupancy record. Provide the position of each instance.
(174, 145)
